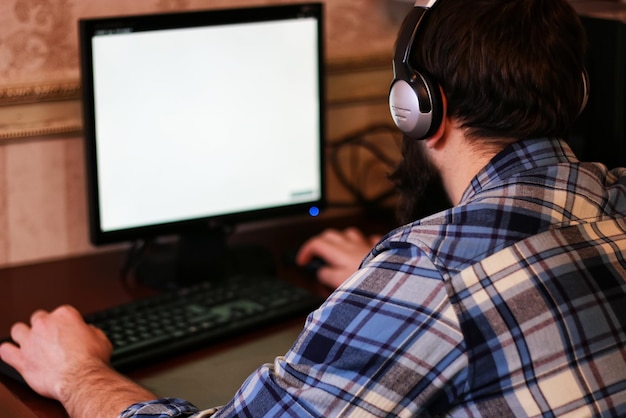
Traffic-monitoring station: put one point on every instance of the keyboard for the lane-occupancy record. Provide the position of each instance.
(153, 328)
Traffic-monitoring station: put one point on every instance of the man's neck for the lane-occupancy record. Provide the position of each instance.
(459, 159)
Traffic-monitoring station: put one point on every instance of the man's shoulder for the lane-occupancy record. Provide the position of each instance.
(460, 236)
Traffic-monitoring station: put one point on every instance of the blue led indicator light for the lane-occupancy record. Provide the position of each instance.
(314, 211)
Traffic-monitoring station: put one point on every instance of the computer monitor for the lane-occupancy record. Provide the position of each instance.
(195, 121)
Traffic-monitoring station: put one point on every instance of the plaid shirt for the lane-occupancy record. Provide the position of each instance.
(512, 303)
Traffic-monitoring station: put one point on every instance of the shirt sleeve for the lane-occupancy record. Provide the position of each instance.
(386, 343)
(165, 408)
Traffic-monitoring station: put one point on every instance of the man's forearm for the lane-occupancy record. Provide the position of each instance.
(100, 392)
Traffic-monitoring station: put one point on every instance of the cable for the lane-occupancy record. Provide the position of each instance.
(382, 142)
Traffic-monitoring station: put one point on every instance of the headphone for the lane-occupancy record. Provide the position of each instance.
(415, 99)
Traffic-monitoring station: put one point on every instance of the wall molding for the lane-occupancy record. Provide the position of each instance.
(40, 110)
(49, 109)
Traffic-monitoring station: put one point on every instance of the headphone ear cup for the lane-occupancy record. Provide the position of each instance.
(416, 105)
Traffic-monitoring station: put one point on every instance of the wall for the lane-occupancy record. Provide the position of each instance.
(42, 201)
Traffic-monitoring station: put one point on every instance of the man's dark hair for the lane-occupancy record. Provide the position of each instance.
(509, 69)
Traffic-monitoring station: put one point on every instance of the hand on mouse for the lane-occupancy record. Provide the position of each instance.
(342, 252)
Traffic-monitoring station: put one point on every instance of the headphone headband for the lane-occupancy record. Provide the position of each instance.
(585, 91)
(401, 65)
(408, 31)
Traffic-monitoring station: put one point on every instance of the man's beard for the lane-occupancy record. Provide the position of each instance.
(419, 183)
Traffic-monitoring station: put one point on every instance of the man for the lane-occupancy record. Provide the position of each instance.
(510, 303)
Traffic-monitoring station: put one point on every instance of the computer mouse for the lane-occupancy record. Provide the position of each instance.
(7, 370)
(310, 268)
(314, 265)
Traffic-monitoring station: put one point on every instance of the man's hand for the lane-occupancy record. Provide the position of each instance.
(56, 347)
(342, 251)
(62, 357)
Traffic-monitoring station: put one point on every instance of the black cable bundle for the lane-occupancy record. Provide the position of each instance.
(383, 143)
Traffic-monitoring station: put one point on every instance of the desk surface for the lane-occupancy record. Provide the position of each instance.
(92, 283)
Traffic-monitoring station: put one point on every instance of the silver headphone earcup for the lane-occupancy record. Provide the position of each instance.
(405, 110)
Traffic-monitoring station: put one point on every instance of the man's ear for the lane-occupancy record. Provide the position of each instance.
(436, 138)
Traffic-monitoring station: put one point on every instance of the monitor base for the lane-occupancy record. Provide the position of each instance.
(195, 258)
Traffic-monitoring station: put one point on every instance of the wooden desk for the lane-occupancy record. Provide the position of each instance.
(92, 283)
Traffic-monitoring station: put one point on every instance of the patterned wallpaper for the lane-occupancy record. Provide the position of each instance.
(38, 39)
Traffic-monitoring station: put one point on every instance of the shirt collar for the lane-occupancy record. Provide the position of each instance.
(520, 156)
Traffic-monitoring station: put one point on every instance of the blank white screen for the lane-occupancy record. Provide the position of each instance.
(206, 121)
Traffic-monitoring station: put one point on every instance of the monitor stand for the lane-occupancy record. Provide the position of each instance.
(196, 256)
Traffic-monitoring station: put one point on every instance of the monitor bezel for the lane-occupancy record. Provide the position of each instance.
(194, 18)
